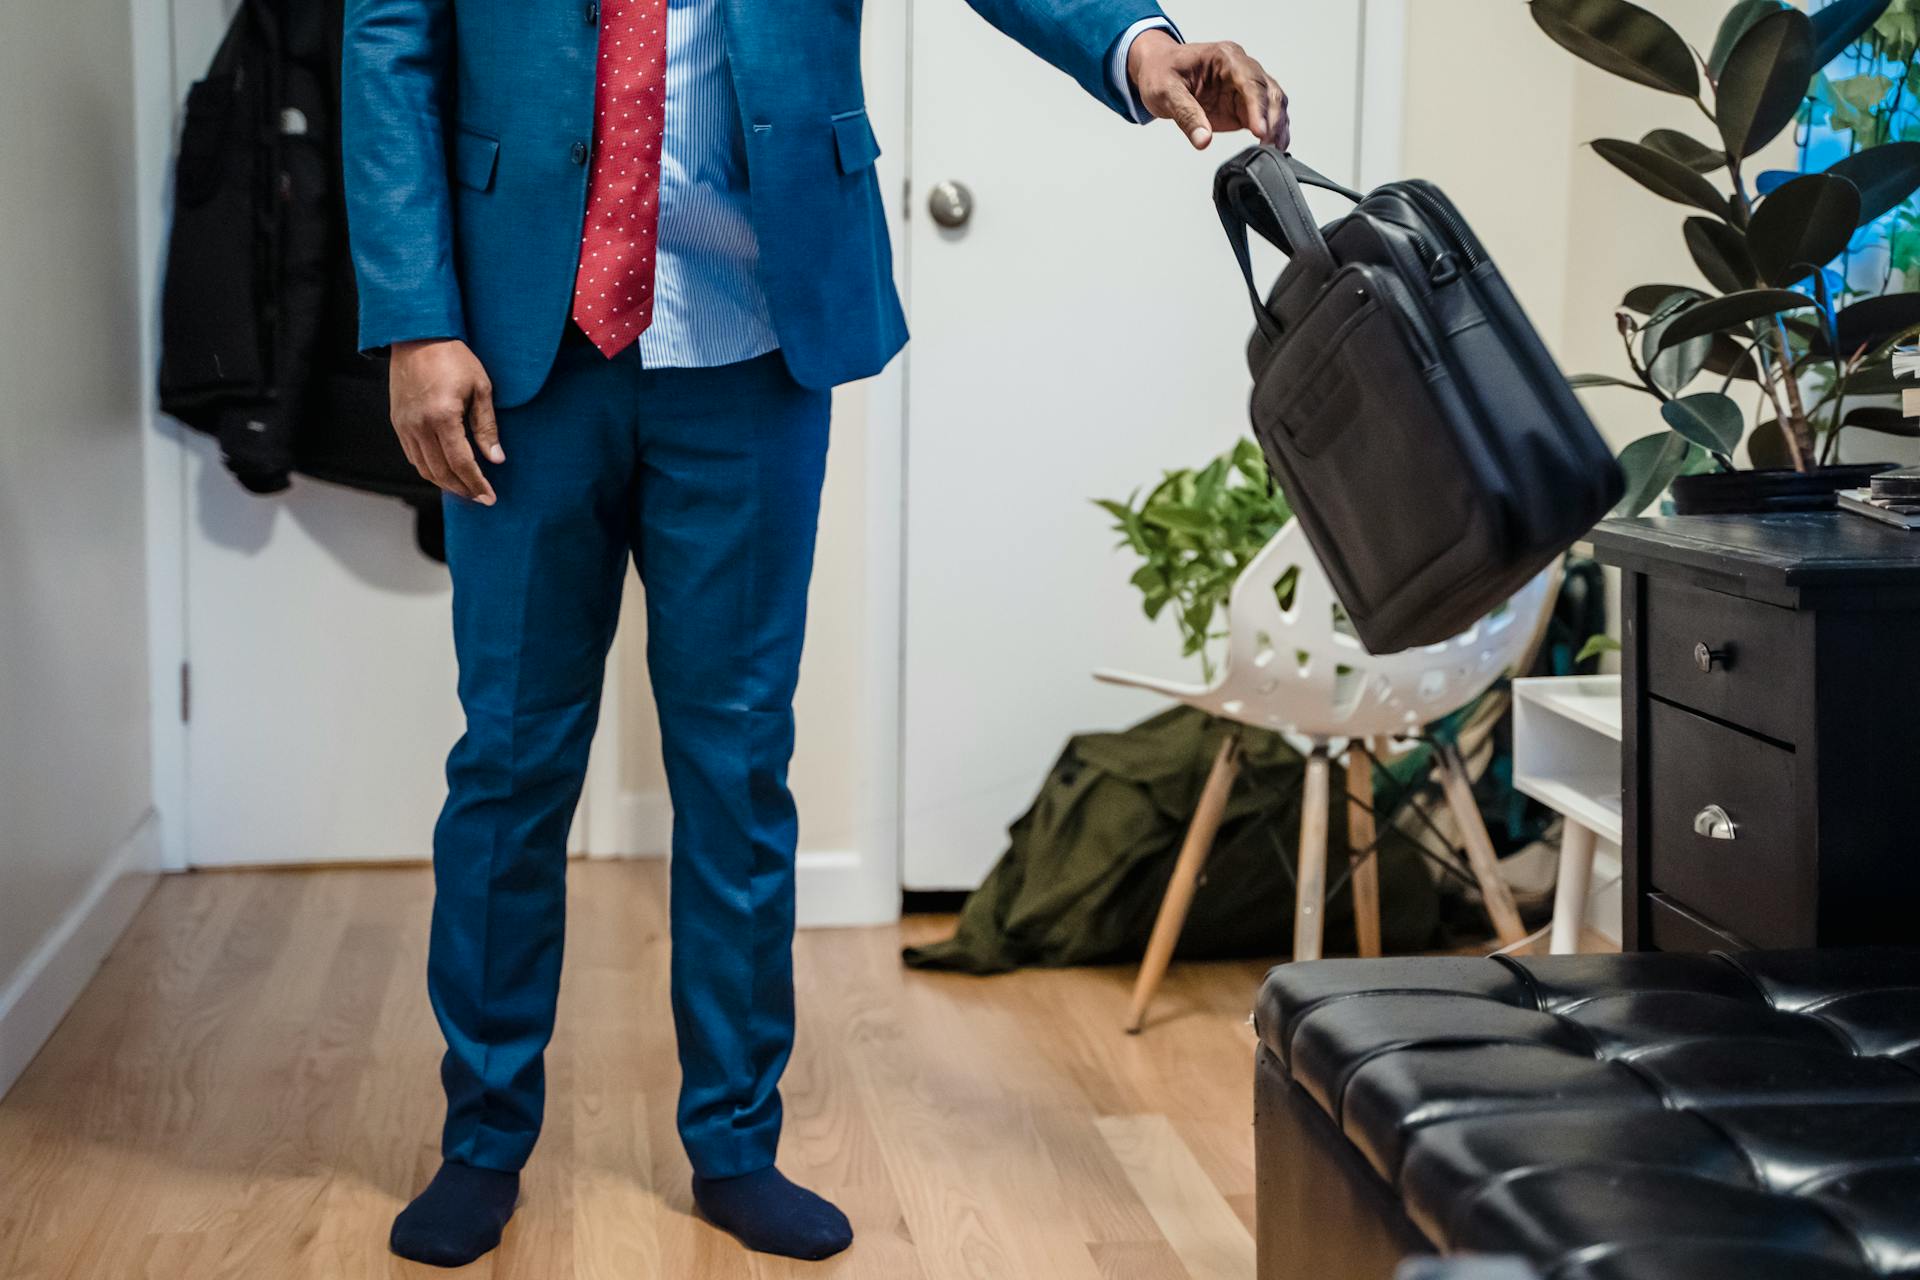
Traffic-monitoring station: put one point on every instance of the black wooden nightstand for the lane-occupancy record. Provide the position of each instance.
(1771, 745)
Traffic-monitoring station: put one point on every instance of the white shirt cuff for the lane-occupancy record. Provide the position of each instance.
(1117, 65)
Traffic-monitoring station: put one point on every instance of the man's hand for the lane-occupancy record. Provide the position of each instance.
(439, 391)
(1208, 87)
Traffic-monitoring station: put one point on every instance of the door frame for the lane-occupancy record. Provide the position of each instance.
(157, 98)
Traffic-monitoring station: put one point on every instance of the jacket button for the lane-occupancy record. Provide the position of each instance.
(579, 153)
(593, 15)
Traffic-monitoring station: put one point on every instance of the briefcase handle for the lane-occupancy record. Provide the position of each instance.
(1260, 189)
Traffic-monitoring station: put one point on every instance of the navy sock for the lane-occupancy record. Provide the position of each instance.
(458, 1217)
(768, 1214)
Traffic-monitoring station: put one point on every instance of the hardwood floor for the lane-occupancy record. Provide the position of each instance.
(249, 1089)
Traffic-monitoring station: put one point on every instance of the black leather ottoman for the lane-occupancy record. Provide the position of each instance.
(1649, 1116)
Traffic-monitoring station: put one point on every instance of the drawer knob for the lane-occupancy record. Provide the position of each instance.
(1707, 658)
(1713, 823)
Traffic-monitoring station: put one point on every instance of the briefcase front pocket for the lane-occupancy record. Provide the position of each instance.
(1351, 409)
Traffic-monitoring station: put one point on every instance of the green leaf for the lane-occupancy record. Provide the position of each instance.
(1621, 38)
(1742, 16)
(1685, 148)
(1581, 381)
(1720, 251)
(1178, 519)
(1650, 464)
(1596, 646)
(1767, 446)
(1763, 80)
(1709, 419)
(1876, 380)
(1671, 369)
(1802, 226)
(1722, 315)
(1730, 358)
(1873, 322)
(1662, 175)
(1862, 93)
(1644, 298)
(1882, 419)
(1840, 24)
(1886, 175)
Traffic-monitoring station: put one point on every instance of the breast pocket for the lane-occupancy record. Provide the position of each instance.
(854, 142)
(475, 157)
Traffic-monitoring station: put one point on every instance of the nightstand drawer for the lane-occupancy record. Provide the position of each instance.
(1722, 829)
(1735, 660)
(1677, 929)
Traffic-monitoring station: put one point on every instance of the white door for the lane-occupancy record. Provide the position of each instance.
(322, 679)
(1079, 334)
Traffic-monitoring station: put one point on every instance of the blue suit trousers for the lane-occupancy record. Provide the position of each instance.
(710, 479)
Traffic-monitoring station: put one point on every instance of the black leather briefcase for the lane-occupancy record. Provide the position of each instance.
(1427, 442)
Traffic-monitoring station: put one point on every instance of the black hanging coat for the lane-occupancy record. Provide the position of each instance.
(258, 336)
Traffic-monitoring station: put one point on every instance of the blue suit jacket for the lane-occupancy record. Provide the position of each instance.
(465, 125)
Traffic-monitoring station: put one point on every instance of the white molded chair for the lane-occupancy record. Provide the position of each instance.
(1293, 665)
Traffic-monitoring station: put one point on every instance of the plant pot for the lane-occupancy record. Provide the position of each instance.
(1756, 492)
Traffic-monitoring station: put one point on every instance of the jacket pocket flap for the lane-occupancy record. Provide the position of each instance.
(854, 141)
(474, 158)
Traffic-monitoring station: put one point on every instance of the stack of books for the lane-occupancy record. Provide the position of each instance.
(1892, 497)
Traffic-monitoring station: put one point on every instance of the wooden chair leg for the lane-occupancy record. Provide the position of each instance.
(1310, 894)
(1480, 854)
(1360, 851)
(1186, 877)
(1570, 894)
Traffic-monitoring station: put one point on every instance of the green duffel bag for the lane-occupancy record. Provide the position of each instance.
(1086, 866)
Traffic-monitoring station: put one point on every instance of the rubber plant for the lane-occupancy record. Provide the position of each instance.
(1769, 318)
(1195, 532)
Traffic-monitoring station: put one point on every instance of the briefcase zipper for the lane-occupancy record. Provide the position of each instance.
(1442, 211)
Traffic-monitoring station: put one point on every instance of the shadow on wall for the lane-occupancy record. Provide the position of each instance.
(372, 536)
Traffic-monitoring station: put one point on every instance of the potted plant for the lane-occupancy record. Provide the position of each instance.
(1774, 325)
(1195, 532)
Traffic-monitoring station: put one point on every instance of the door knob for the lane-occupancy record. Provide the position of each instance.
(1713, 823)
(950, 203)
(1706, 657)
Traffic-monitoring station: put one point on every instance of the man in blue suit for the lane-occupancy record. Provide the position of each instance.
(620, 251)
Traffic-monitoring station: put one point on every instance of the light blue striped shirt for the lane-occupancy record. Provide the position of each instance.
(708, 305)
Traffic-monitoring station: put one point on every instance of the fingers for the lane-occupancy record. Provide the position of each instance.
(1185, 111)
(486, 428)
(1250, 92)
(470, 482)
(1279, 126)
(439, 391)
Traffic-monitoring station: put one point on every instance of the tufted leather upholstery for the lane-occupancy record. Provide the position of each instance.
(1638, 1117)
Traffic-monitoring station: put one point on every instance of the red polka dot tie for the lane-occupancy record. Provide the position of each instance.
(613, 289)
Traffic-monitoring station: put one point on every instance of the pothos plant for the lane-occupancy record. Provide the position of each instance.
(1869, 97)
(1195, 531)
(1771, 325)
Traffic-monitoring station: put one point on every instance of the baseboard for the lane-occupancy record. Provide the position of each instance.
(642, 827)
(35, 997)
(837, 890)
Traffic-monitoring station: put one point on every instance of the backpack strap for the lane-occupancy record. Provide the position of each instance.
(1259, 189)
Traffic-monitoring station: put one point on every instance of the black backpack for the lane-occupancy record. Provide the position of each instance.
(1430, 447)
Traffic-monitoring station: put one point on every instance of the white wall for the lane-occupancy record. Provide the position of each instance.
(1500, 116)
(76, 830)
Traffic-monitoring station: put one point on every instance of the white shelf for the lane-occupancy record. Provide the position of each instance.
(1566, 748)
(1591, 800)
(1593, 701)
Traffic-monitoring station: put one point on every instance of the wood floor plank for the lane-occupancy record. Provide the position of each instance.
(250, 1088)
(1197, 1222)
